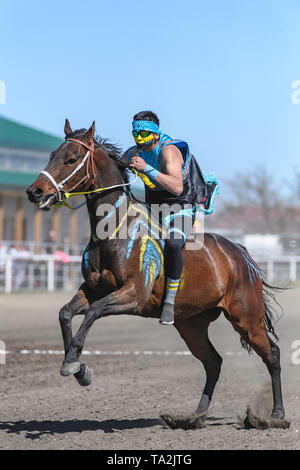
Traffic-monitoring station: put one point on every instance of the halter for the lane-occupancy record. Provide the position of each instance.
(89, 161)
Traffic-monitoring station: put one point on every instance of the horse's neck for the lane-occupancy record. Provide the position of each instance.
(106, 208)
(107, 175)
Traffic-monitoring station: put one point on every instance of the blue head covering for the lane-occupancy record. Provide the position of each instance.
(145, 126)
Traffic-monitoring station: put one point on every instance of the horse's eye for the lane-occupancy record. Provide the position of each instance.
(70, 161)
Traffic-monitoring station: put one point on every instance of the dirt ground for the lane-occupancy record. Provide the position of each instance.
(140, 371)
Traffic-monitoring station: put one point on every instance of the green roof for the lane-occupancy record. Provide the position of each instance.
(15, 135)
(11, 178)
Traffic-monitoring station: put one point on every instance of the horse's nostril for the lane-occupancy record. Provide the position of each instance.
(37, 192)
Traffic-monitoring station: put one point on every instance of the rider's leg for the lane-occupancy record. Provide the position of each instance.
(179, 230)
(174, 266)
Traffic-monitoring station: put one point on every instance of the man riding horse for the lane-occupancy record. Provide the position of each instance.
(171, 176)
(125, 276)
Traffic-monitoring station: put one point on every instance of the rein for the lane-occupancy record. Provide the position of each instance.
(89, 161)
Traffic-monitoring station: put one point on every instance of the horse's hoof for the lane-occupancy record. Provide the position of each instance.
(193, 421)
(277, 414)
(85, 376)
(202, 415)
(256, 422)
(69, 368)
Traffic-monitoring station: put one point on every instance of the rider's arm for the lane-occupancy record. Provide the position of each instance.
(171, 180)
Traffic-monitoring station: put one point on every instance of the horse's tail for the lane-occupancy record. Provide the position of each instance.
(271, 314)
(269, 299)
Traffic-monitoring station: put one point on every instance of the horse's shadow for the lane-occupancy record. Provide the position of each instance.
(36, 429)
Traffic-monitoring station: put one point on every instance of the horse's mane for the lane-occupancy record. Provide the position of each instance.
(112, 150)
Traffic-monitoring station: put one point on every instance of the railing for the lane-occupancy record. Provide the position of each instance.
(281, 268)
(50, 273)
(39, 272)
(42, 248)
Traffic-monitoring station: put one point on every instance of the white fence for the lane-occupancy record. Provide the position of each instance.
(39, 272)
(50, 273)
(281, 268)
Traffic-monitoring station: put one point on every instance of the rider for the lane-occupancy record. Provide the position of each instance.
(171, 176)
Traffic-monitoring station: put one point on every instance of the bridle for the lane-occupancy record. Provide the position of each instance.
(90, 171)
(88, 160)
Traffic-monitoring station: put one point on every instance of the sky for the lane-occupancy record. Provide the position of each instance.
(218, 73)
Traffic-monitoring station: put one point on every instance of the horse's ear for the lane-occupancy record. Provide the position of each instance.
(90, 133)
(68, 129)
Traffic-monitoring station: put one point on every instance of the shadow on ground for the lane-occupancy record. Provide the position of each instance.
(35, 429)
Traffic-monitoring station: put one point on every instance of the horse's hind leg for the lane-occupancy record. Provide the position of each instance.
(275, 369)
(253, 331)
(270, 354)
(194, 331)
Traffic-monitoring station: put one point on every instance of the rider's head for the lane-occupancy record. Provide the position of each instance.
(145, 129)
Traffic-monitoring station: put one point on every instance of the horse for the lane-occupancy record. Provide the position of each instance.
(125, 275)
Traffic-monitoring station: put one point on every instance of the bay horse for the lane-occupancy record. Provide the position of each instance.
(125, 275)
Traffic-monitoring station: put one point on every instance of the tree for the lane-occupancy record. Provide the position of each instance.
(258, 189)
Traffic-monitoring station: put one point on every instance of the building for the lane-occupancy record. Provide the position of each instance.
(24, 152)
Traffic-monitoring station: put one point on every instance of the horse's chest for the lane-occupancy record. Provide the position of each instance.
(90, 259)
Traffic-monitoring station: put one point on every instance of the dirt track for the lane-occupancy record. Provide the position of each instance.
(39, 409)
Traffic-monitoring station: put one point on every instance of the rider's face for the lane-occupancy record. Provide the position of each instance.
(145, 139)
(142, 137)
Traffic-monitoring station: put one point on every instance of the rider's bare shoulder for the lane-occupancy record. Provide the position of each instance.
(171, 154)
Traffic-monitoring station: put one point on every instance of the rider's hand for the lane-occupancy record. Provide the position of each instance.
(138, 163)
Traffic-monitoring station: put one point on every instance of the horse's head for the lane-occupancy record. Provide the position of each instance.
(70, 167)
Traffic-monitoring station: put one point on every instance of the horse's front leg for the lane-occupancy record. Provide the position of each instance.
(78, 305)
(122, 301)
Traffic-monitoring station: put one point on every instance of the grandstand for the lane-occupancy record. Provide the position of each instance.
(24, 151)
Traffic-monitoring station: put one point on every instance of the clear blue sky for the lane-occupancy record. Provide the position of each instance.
(217, 72)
